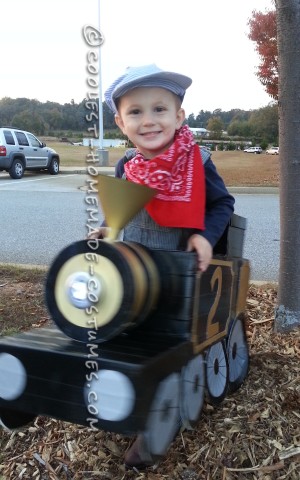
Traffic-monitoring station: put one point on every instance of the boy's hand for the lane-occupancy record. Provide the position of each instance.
(203, 249)
(101, 232)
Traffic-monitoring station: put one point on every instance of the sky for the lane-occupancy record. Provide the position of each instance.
(44, 54)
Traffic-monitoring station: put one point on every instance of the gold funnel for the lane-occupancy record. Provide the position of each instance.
(121, 201)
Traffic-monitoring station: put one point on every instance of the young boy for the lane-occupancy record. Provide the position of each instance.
(192, 207)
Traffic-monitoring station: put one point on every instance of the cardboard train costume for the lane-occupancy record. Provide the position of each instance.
(139, 335)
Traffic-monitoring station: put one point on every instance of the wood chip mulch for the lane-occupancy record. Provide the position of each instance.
(254, 434)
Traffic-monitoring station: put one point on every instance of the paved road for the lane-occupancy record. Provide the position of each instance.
(262, 235)
(42, 182)
(41, 214)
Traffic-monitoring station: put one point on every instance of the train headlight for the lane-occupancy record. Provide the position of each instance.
(13, 377)
(79, 291)
(111, 396)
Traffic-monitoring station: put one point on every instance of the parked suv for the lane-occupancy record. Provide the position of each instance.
(253, 150)
(20, 151)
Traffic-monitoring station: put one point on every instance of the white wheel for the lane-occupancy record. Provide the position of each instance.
(54, 167)
(192, 391)
(163, 420)
(216, 372)
(16, 170)
(238, 355)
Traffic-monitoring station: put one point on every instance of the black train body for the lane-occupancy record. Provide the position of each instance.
(145, 355)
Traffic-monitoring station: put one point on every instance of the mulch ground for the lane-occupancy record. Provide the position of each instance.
(253, 434)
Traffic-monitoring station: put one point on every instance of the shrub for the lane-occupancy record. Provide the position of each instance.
(231, 146)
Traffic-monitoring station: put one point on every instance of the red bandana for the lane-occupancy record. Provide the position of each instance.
(178, 176)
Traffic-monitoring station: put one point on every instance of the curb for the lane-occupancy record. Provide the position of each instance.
(25, 266)
(83, 170)
(28, 266)
(254, 190)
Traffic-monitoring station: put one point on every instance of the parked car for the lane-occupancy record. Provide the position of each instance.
(21, 150)
(256, 150)
(272, 151)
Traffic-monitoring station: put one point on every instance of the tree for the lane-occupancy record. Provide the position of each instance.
(263, 31)
(240, 128)
(30, 121)
(215, 126)
(264, 123)
(55, 118)
(108, 117)
(191, 121)
(202, 118)
(287, 315)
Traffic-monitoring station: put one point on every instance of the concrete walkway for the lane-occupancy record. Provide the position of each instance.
(83, 170)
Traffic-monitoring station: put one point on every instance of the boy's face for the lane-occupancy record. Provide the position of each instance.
(149, 117)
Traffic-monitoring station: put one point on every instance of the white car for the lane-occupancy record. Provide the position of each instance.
(272, 151)
(253, 150)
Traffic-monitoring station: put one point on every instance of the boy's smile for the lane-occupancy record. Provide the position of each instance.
(149, 117)
(150, 134)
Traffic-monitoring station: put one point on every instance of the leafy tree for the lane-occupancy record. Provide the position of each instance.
(264, 123)
(191, 121)
(108, 117)
(202, 118)
(288, 27)
(235, 114)
(30, 121)
(55, 118)
(240, 128)
(217, 112)
(70, 119)
(231, 146)
(215, 126)
(263, 31)
(58, 119)
(6, 108)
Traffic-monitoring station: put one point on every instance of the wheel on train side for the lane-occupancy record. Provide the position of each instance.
(192, 390)
(13, 419)
(238, 355)
(164, 418)
(217, 373)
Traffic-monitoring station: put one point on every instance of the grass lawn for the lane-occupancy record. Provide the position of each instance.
(71, 155)
(245, 169)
